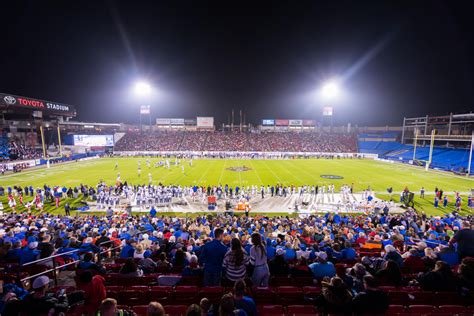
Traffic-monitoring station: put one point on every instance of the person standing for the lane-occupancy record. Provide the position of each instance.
(258, 258)
(212, 256)
(422, 192)
(67, 209)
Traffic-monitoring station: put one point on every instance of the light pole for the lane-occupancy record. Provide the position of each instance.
(329, 92)
(142, 90)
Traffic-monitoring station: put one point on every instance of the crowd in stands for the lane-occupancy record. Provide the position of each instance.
(236, 141)
(16, 150)
(336, 264)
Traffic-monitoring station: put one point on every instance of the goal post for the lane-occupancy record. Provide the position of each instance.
(431, 149)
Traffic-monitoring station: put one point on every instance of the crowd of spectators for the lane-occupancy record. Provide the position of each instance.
(347, 257)
(237, 141)
(16, 150)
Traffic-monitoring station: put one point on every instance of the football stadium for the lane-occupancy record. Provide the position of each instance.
(127, 196)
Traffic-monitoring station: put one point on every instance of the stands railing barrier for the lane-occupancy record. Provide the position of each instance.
(55, 268)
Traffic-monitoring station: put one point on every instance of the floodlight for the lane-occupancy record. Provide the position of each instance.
(330, 90)
(142, 88)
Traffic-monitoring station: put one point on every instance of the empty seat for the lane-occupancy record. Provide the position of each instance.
(300, 309)
(162, 294)
(270, 309)
(186, 294)
(420, 298)
(289, 295)
(264, 295)
(311, 291)
(394, 309)
(453, 309)
(448, 298)
(397, 297)
(422, 309)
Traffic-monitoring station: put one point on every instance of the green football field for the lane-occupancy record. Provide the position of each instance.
(361, 172)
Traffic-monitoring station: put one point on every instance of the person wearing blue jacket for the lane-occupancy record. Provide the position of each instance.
(212, 257)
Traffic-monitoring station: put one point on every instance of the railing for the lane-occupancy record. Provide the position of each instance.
(55, 268)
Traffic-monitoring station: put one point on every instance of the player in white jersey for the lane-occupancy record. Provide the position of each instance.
(182, 169)
(150, 180)
(139, 171)
(191, 162)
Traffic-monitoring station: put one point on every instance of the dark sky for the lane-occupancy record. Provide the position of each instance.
(393, 58)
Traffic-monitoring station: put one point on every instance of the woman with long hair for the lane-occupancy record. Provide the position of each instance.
(235, 261)
(258, 258)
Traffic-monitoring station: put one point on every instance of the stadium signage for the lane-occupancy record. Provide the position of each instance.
(9, 100)
(296, 122)
(309, 123)
(177, 121)
(205, 121)
(281, 122)
(268, 122)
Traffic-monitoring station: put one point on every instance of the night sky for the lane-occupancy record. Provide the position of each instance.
(392, 58)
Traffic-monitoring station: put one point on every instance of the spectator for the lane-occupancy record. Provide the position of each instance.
(334, 298)
(193, 310)
(258, 259)
(227, 307)
(212, 257)
(235, 261)
(155, 309)
(322, 268)
(42, 302)
(439, 279)
(390, 274)
(278, 266)
(130, 269)
(108, 307)
(94, 291)
(243, 302)
(464, 239)
(371, 300)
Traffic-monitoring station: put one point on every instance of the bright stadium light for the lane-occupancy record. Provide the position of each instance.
(142, 88)
(330, 90)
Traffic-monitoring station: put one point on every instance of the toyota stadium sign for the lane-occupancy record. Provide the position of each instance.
(11, 101)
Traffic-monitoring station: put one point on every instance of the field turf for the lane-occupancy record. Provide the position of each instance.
(361, 172)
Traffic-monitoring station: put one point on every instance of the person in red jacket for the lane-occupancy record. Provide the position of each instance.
(94, 291)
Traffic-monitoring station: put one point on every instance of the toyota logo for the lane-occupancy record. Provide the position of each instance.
(9, 100)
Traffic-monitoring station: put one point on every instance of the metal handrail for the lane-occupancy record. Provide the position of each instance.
(55, 268)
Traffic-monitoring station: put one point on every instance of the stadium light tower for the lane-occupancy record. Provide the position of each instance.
(330, 90)
(143, 91)
(142, 88)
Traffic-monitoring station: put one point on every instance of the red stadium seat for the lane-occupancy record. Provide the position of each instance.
(397, 298)
(281, 281)
(186, 294)
(303, 281)
(311, 291)
(420, 298)
(270, 309)
(264, 295)
(290, 295)
(448, 298)
(132, 297)
(162, 294)
(453, 309)
(300, 309)
(394, 309)
(140, 310)
(422, 309)
(175, 310)
(213, 293)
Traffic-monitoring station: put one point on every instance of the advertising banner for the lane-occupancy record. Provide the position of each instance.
(309, 122)
(205, 121)
(94, 140)
(281, 122)
(327, 111)
(17, 102)
(296, 122)
(163, 121)
(177, 121)
(268, 122)
(190, 122)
